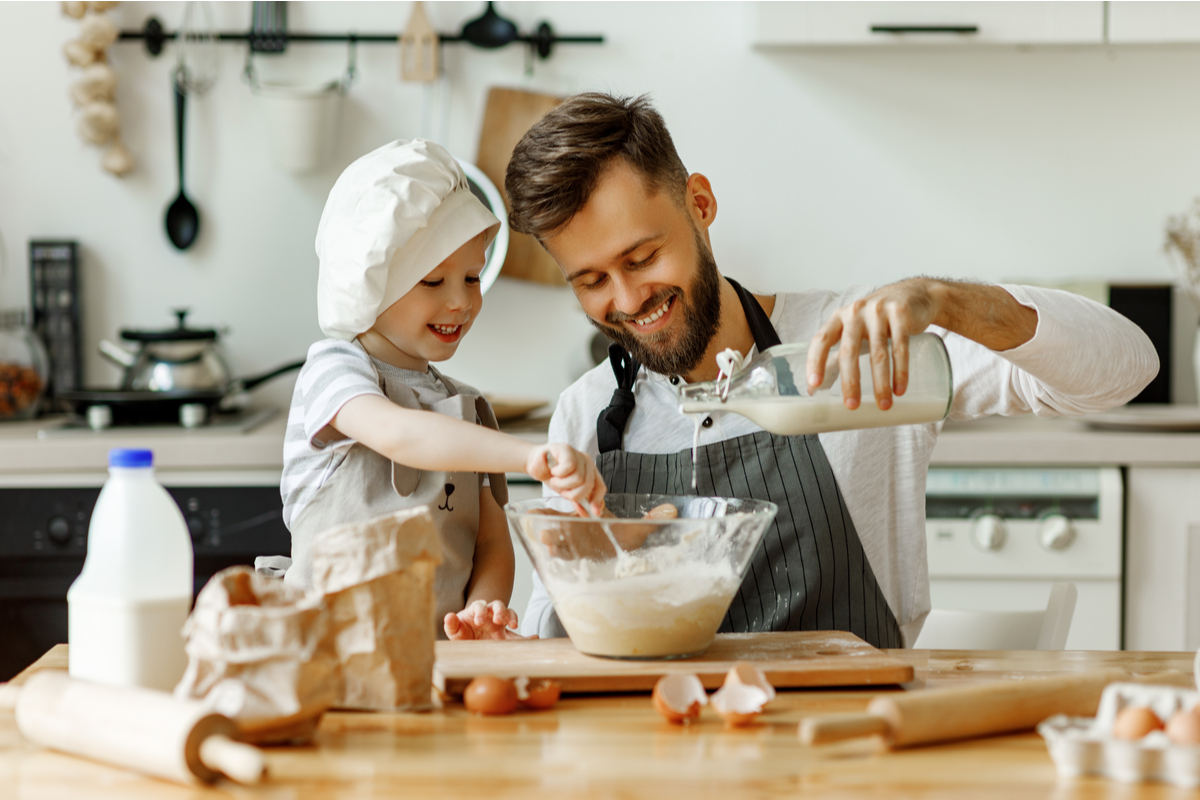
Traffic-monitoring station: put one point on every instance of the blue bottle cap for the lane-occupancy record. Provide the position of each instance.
(130, 457)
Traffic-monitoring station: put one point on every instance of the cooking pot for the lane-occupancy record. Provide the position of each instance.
(179, 359)
(176, 374)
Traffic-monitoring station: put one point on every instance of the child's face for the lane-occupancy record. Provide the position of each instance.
(428, 322)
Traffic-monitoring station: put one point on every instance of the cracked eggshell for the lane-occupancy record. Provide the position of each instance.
(738, 703)
(679, 697)
(100, 6)
(746, 674)
(539, 693)
(74, 10)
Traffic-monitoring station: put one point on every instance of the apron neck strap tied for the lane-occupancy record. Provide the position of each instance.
(610, 426)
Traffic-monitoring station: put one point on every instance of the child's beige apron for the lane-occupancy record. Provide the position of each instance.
(368, 485)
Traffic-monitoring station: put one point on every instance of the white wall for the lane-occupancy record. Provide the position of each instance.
(831, 167)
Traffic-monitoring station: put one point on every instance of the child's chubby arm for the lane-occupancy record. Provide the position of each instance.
(487, 615)
(432, 441)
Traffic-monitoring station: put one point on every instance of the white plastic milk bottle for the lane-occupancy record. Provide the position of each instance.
(126, 609)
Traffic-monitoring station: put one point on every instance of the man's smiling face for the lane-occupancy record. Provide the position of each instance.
(645, 276)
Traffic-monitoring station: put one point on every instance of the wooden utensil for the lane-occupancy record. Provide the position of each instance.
(942, 715)
(144, 730)
(418, 47)
(508, 115)
(787, 658)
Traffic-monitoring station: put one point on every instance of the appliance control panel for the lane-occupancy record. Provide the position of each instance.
(222, 520)
(1028, 521)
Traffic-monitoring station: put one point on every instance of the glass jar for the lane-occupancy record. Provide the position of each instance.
(23, 367)
(771, 389)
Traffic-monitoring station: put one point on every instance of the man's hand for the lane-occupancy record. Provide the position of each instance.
(570, 473)
(893, 313)
(980, 312)
(480, 620)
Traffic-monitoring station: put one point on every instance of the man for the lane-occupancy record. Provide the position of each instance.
(599, 183)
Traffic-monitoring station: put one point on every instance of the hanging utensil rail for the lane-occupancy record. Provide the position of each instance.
(541, 41)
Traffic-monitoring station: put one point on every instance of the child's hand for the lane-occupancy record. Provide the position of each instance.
(481, 620)
(570, 473)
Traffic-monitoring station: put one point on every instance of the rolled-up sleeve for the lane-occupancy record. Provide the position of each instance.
(1083, 358)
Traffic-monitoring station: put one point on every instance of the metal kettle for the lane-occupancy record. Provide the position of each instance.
(170, 360)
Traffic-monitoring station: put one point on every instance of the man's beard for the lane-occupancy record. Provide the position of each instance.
(700, 311)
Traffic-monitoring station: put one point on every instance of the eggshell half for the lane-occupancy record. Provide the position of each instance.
(739, 704)
(746, 674)
(679, 697)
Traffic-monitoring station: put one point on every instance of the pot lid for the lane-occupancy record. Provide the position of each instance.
(180, 333)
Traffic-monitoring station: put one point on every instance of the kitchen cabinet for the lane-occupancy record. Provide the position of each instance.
(1162, 558)
(948, 23)
(1153, 22)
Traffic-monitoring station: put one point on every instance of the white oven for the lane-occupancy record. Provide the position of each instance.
(999, 538)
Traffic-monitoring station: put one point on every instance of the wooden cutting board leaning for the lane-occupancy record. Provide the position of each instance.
(506, 117)
(788, 659)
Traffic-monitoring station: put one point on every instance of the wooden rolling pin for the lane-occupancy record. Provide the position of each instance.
(962, 712)
(144, 730)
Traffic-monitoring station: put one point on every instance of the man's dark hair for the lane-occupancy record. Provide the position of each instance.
(554, 168)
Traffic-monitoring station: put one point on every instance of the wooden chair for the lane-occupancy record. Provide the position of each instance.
(952, 629)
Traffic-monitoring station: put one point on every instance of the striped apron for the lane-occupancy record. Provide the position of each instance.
(809, 572)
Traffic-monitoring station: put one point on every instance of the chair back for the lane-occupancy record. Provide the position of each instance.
(1045, 629)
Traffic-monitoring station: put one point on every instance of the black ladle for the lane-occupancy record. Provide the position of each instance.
(183, 220)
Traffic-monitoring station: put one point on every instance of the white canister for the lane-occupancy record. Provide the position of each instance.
(300, 123)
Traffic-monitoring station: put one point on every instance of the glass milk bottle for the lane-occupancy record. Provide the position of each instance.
(771, 390)
(126, 609)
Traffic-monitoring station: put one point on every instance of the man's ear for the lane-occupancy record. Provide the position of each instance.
(701, 202)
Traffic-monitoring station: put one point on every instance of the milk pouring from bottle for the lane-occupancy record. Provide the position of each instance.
(771, 389)
(126, 609)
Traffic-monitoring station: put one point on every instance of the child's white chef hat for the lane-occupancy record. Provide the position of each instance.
(391, 217)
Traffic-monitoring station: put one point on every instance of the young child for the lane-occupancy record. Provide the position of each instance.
(373, 427)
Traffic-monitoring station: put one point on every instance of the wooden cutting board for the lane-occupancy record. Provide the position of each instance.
(506, 117)
(789, 659)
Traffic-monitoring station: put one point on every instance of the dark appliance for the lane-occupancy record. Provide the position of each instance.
(43, 541)
(1149, 305)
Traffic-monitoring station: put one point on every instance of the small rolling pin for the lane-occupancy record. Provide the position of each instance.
(144, 730)
(962, 712)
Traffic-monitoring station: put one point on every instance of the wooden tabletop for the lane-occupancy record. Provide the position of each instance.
(618, 746)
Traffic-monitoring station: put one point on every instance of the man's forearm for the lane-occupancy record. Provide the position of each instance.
(983, 313)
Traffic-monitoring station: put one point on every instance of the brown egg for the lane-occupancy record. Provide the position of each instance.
(488, 694)
(1134, 722)
(538, 693)
(1184, 726)
(678, 697)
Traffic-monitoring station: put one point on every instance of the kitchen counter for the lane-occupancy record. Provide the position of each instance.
(26, 454)
(617, 745)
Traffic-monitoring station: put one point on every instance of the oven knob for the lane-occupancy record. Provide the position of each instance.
(195, 528)
(58, 529)
(1057, 532)
(988, 532)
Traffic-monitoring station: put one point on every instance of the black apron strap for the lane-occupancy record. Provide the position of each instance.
(760, 324)
(610, 425)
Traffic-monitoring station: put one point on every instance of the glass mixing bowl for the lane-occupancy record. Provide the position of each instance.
(664, 591)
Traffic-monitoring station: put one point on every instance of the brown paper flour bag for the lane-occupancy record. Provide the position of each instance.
(376, 578)
(258, 652)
